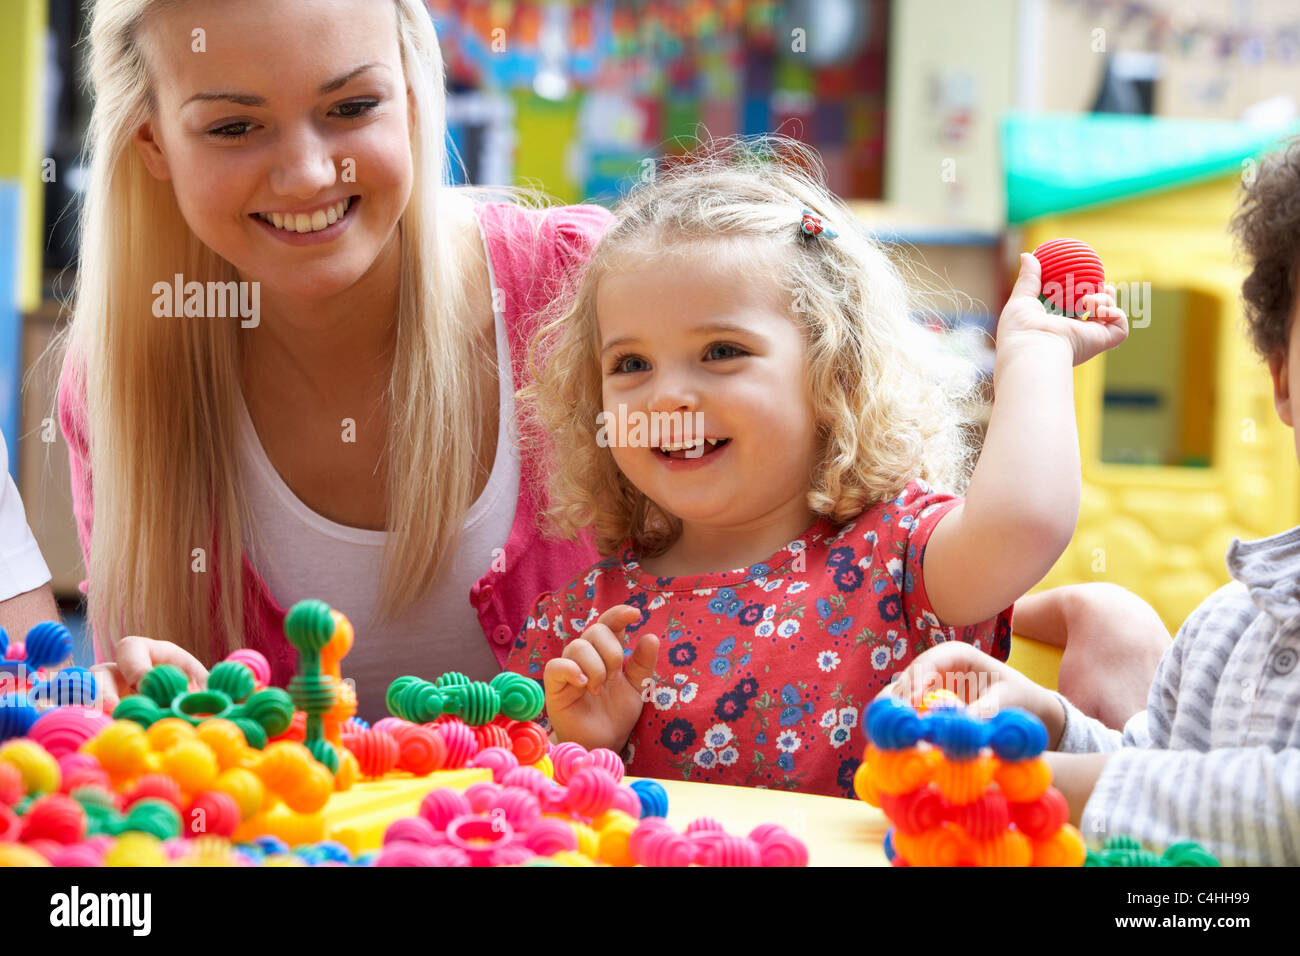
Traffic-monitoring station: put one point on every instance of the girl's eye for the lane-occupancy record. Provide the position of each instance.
(628, 364)
(723, 350)
(360, 107)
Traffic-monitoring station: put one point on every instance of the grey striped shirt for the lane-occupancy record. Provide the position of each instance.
(1215, 757)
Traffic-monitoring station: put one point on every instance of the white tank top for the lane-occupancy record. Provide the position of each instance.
(305, 555)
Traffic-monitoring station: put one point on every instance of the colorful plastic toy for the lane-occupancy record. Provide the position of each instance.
(1123, 850)
(322, 637)
(653, 797)
(654, 842)
(1070, 270)
(230, 695)
(32, 687)
(476, 703)
(963, 791)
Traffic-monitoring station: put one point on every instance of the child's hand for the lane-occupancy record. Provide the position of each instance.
(135, 657)
(1024, 317)
(593, 694)
(1075, 775)
(984, 684)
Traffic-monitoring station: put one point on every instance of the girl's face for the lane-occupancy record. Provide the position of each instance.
(707, 336)
(289, 108)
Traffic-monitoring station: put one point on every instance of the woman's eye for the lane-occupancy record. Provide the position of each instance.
(357, 109)
(362, 108)
(723, 350)
(630, 363)
(221, 132)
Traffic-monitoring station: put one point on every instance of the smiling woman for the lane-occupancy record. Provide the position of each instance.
(350, 445)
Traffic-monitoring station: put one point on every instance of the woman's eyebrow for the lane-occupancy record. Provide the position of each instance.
(248, 99)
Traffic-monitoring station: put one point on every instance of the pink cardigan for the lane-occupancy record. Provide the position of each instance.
(531, 251)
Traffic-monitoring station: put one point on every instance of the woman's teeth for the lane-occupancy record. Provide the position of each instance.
(301, 222)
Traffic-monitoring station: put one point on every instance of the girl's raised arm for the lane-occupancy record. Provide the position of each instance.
(1023, 499)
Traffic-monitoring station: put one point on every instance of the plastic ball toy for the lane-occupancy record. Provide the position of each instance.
(964, 791)
(1123, 850)
(229, 695)
(1071, 270)
(476, 703)
(653, 798)
(38, 689)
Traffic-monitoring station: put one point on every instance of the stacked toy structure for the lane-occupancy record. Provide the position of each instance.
(963, 791)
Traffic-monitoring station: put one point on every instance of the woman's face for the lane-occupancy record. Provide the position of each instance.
(285, 108)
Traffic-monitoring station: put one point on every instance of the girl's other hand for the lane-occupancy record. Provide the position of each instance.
(1026, 319)
(983, 683)
(594, 694)
(135, 657)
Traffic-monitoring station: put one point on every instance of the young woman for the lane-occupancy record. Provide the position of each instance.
(337, 426)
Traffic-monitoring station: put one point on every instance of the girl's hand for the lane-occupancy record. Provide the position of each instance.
(984, 684)
(135, 657)
(1024, 318)
(593, 694)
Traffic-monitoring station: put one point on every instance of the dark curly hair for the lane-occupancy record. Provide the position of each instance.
(1267, 226)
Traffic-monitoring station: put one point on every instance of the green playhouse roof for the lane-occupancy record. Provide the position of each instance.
(1058, 162)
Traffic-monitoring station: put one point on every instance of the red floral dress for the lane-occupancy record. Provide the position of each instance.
(764, 672)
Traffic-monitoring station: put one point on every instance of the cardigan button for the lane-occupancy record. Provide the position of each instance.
(484, 596)
(1284, 661)
(501, 635)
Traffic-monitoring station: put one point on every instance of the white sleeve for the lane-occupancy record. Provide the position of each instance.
(21, 566)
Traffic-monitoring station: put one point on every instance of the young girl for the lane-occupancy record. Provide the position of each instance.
(783, 546)
(341, 439)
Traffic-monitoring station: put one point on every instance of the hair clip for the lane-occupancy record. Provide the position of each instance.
(813, 226)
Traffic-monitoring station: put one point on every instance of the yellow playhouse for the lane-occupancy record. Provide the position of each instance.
(1181, 448)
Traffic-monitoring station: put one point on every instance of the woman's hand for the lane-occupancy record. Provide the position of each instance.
(983, 683)
(593, 694)
(136, 656)
(1024, 318)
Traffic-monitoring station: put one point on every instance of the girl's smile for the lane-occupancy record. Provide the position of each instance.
(680, 457)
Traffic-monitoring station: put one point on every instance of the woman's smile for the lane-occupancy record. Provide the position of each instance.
(323, 224)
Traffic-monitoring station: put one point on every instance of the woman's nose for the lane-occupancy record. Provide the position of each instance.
(304, 164)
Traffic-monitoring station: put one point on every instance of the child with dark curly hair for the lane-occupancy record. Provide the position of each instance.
(1215, 757)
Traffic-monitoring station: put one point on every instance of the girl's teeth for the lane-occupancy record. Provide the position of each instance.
(301, 222)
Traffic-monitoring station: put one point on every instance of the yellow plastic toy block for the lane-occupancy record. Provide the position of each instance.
(358, 817)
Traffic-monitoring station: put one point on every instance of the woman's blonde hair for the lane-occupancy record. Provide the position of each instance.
(884, 416)
(162, 395)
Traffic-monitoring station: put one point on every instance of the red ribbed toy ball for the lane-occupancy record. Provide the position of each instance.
(1071, 270)
(377, 752)
(212, 812)
(527, 740)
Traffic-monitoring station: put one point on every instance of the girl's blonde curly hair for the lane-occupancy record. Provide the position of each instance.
(884, 416)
